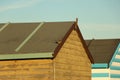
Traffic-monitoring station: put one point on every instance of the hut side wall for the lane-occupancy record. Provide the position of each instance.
(72, 62)
(113, 73)
(26, 70)
(115, 65)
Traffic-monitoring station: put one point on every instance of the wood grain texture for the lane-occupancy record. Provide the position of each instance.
(72, 62)
(40, 69)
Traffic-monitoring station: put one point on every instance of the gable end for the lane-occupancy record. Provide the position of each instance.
(73, 27)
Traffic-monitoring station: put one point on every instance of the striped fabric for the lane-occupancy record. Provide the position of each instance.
(115, 65)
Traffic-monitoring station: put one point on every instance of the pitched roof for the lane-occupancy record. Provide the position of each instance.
(28, 40)
(15, 33)
(102, 50)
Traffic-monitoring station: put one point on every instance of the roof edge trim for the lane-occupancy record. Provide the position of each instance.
(74, 26)
(84, 44)
(99, 65)
(26, 56)
(114, 54)
(63, 40)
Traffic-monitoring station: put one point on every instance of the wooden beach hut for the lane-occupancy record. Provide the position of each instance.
(106, 55)
(43, 51)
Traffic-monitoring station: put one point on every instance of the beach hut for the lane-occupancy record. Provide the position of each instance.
(43, 51)
(106, 55)
(114, 65)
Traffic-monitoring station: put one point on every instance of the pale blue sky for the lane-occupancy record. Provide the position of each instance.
(97, 18)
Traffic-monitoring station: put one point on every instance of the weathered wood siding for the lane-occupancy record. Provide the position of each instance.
(72, 62)
(26, 70)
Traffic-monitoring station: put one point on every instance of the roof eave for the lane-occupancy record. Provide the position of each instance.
(100, 66)
(26, 56)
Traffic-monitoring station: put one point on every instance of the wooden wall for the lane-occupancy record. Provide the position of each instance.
(26, 70)
(72, 62)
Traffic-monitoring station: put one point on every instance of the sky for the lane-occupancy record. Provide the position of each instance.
(98, 19)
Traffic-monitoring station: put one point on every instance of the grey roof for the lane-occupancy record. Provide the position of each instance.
(44, 39)
(102, 50)
(1, 25)
(35, 40)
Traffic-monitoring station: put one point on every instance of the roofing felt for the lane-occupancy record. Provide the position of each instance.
(46, 36)
(35, 40)
(1, 25)
(102, 50)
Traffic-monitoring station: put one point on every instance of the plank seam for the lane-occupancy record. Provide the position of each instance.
(28, 38)
(4, 26)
